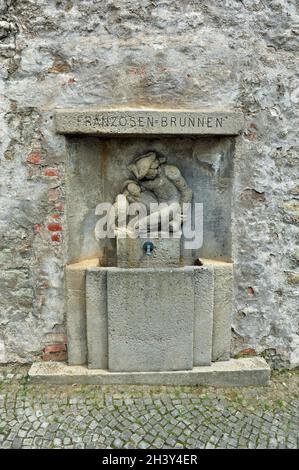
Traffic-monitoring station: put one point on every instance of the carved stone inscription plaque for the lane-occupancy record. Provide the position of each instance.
(130, 121)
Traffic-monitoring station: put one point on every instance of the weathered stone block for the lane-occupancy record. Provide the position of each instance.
(233, 373)
(203, 314)
(130, 253)
(150, 319)
(75, 311)
(96, 318)
(76, 326)
(222, 314)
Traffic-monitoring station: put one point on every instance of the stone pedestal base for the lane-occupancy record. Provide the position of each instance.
(233, 373)
(145, 320)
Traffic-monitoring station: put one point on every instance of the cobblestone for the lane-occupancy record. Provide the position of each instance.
(41, 416)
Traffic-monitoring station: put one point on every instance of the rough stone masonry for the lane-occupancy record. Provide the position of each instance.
(232, 54)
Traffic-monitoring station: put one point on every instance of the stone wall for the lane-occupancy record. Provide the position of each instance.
(172, 53)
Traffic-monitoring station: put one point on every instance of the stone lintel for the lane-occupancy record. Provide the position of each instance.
(126, 121)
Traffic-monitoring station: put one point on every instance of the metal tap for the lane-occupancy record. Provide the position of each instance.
(148, 248)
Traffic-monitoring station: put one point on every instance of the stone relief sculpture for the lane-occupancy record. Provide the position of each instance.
(161, 189)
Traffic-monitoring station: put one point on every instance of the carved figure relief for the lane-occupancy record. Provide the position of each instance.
(159, 187)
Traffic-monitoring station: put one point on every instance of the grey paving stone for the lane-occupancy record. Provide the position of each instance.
(91, 417)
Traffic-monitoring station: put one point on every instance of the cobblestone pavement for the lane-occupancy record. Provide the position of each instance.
(41, 416)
